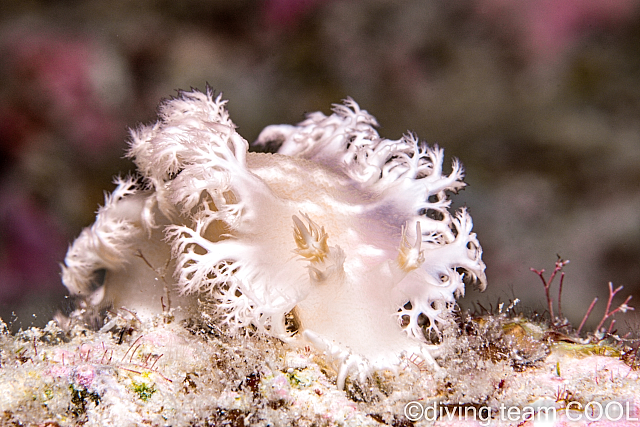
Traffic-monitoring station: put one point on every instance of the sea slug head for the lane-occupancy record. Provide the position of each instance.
(343, 233)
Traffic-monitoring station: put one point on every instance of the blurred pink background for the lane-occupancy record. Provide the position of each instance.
(540, 100)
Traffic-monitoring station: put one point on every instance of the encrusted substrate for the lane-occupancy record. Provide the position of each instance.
(191, 373)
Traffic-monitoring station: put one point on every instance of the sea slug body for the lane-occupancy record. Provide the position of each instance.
(346, 234)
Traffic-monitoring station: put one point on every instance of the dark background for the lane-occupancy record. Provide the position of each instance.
(539, 99)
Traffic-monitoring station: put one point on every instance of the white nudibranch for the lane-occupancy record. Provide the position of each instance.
(347, 233)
